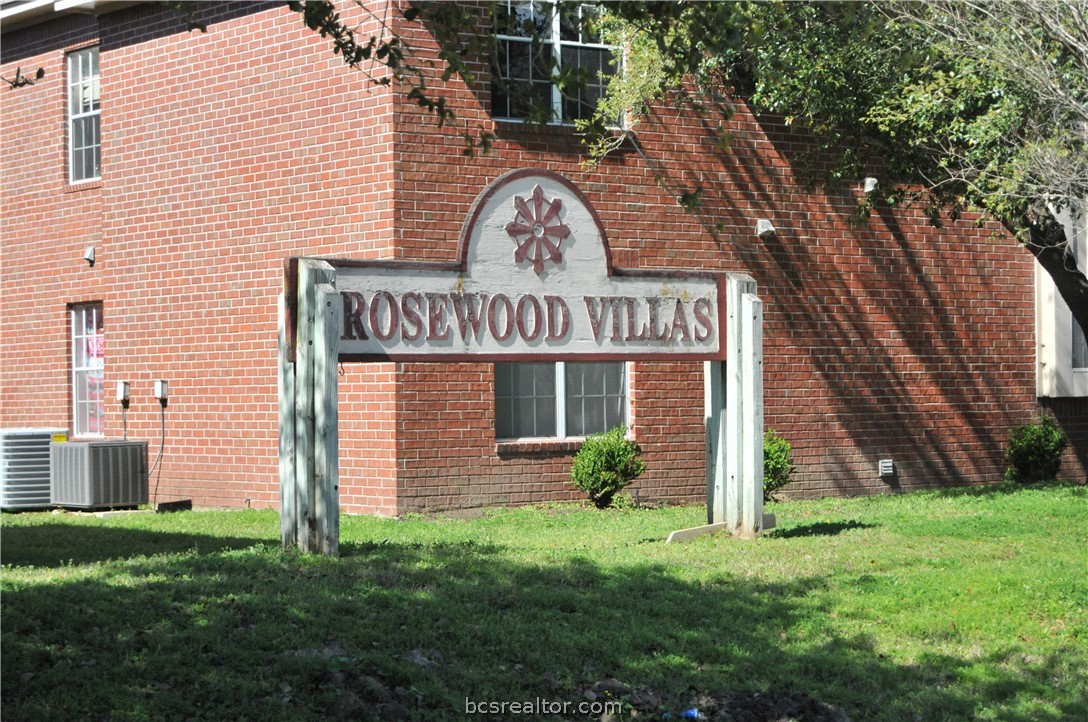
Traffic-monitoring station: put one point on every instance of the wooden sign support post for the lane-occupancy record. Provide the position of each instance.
(309, 447)
(733, 414)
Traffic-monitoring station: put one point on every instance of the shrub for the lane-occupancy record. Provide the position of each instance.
(777, 462)
(1035, 451)
(606, 464)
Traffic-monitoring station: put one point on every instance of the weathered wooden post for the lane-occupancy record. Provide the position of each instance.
(309, 479)
(737, 346)
(713, 405)
(286, 379)
(328, 322)
(733, 417)
(751, 453)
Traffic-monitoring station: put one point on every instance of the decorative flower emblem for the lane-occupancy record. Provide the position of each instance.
(537, 230)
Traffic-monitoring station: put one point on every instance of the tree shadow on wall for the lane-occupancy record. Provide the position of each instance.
(915, 355)
(408, 631)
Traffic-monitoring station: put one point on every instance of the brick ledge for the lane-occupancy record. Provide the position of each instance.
(538, 447)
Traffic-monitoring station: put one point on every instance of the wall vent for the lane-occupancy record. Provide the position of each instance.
(24, 467)
(98, 474)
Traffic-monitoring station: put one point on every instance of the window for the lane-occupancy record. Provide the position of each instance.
(550, 63)
(559, 400)
(1080, 348)
(84, 108)
(88, 363)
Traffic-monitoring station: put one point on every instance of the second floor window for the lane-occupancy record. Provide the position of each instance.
(551, 65)
(84, 107)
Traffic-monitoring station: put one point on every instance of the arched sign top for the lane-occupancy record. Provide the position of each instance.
(550, 215)
(534, 281)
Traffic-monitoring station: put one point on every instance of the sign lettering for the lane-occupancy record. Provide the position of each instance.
(534, 279)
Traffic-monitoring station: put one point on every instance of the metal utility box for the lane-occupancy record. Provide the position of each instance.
(24, 467)
(98, 474)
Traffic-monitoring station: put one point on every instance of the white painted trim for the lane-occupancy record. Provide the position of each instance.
(27, 9)
(1054, 372)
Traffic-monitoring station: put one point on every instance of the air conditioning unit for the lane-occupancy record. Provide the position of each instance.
(24, 468)
(98, 474)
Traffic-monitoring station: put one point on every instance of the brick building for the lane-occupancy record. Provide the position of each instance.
(195, 163)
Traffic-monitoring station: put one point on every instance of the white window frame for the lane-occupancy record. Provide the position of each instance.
(84, 104)
(561, 405)
(1055, 374)
(557, 44)
(94, 364)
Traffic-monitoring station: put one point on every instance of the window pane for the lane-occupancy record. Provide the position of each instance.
(521, 84)
(595, 397)
(74, 94)
(79, 354)
(82, 418)
(77, 135)
(1080, 347)
(544, 379)
(522, 19)
(543, 62)
(96, 387)
(524, 400)
(519, 60)
(544, 416)
(90, 163)
(587, 71)
(504, 380)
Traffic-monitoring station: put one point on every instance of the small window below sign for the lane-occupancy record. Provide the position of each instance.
(559, 400)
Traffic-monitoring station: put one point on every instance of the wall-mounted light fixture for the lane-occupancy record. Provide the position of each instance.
(870, 185)
(88, 256)
(764, 228)
(162, 391)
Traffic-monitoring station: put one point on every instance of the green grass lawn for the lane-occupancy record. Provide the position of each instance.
(928, 606)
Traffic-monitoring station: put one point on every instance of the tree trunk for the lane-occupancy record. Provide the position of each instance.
(1049, 246)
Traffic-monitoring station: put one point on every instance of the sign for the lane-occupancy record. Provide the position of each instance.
(534, 280)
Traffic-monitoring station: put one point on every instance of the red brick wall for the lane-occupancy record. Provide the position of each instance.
(885, 340)
(223, 154)
(226, 152)
(44, 229)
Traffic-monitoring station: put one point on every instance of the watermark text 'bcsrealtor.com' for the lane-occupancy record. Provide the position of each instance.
(542, 706)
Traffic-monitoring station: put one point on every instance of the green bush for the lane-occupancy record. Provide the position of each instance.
(606, 464)
(1035, 451)
(777, 462)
